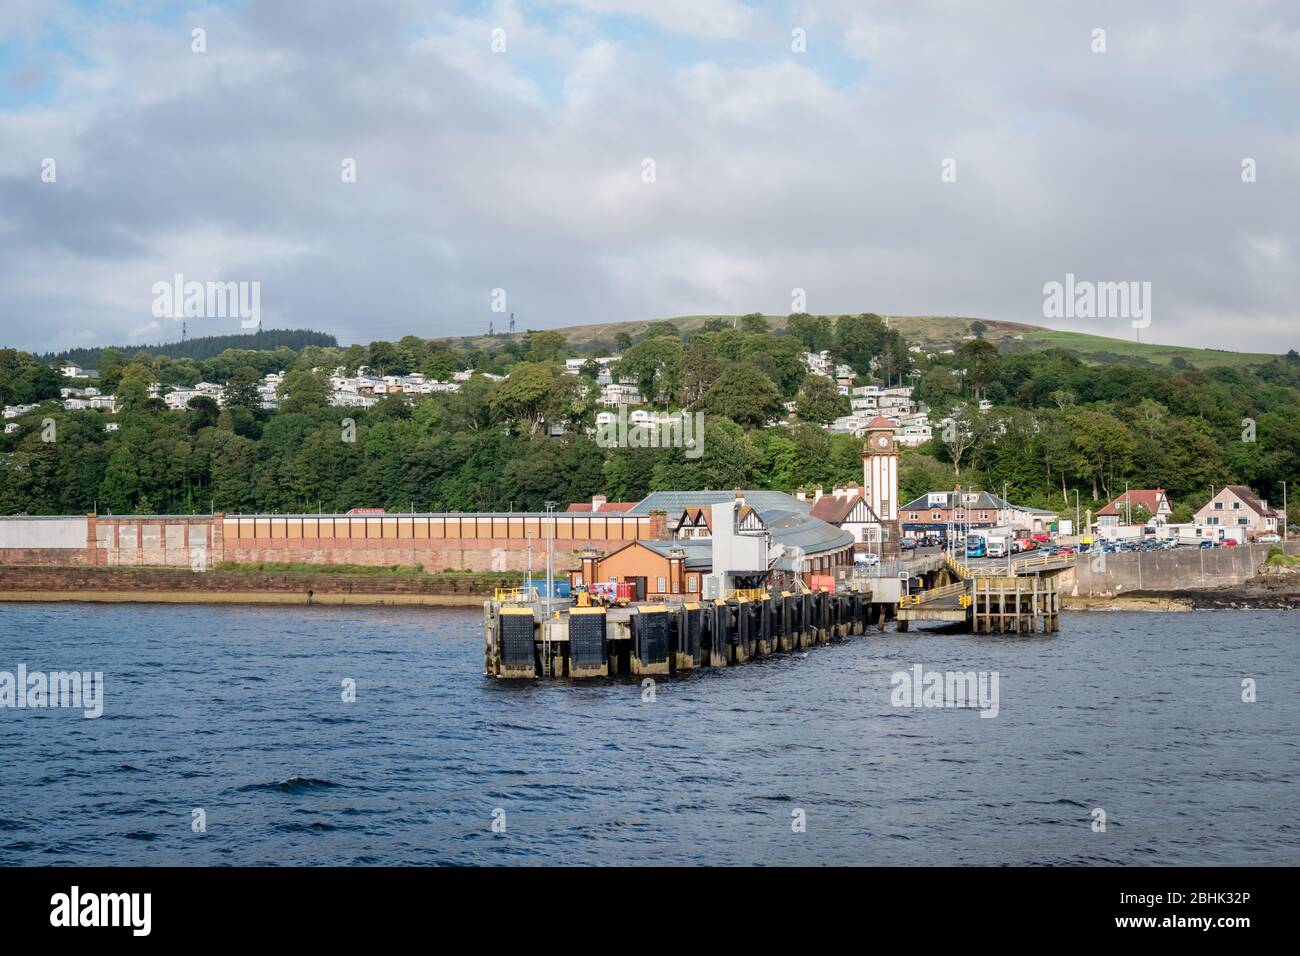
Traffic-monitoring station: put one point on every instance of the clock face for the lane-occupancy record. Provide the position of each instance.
(883, 441)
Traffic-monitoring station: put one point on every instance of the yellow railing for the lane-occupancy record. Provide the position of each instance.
(514, 595)
(956, 566)
(1045, 561)
(938, 594)
(747, 594)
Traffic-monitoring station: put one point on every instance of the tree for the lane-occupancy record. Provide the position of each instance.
(780, 359)
(533, 393)
(204, 412)
(110, 366)
(743, 394)
(728, 460)
(755, 322)
(819, 401)
(980, 359)
(302, 391)
(700, 369)
(439, 365)
(859, 339)
(1103, 448)
(663, 327)
(241, 389)
(655, 364)
(384, 359)
(133, 387)
(813, 332)
(548, 346)
(938, 388)
(959, 434)
(978, 329)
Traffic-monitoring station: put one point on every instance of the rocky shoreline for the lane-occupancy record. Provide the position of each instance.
(1263, 592)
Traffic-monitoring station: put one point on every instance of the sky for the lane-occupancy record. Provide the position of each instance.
(585, 161)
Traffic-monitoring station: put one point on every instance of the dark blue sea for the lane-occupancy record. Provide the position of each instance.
(239, 712)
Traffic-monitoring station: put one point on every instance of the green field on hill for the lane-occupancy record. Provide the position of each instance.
(1102, 350)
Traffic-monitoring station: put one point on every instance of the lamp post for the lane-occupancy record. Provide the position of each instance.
(1285, 520)
(550, 558)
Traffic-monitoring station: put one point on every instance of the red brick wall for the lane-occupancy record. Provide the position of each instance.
(55, 556)
(168, 579)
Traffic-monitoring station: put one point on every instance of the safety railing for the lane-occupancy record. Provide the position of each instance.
(956, 566)
(960, 590)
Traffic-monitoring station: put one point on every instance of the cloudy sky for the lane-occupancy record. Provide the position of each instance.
(524, 168)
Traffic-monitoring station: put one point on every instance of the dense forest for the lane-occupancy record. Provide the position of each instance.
(202, 347)
(1057, 426)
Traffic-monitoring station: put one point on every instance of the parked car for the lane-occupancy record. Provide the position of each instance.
(1207, 543)
(1228, 543)
(907, 544)
(866, 559)
(1269, 537)
(1042, 537)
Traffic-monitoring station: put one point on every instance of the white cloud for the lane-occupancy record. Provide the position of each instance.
(774, 170)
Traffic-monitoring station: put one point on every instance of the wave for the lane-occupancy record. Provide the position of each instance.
(291, 785)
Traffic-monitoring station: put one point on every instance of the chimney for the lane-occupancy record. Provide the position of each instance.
(597, 502)
(801, 495)
(740, 498)
(658, 525)
(817, 493)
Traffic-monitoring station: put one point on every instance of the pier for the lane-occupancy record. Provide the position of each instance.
(660, 639)
(1022, 599)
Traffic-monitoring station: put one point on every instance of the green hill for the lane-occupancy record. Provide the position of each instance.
(933, 332)
(929, 331)
(1100, 350)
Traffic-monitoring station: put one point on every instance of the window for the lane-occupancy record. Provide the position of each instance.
(1236, 506)
(1243, 521)
(663, 584)
(1218, 506)
(677, 587)
(913, 516)
(692, 582)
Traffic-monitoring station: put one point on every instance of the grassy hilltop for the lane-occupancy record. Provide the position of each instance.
(933, 332)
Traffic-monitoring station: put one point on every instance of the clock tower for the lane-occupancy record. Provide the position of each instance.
(880, 471)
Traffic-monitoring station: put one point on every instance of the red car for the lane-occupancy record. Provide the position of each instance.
(1228, 543)
(1042, 537)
